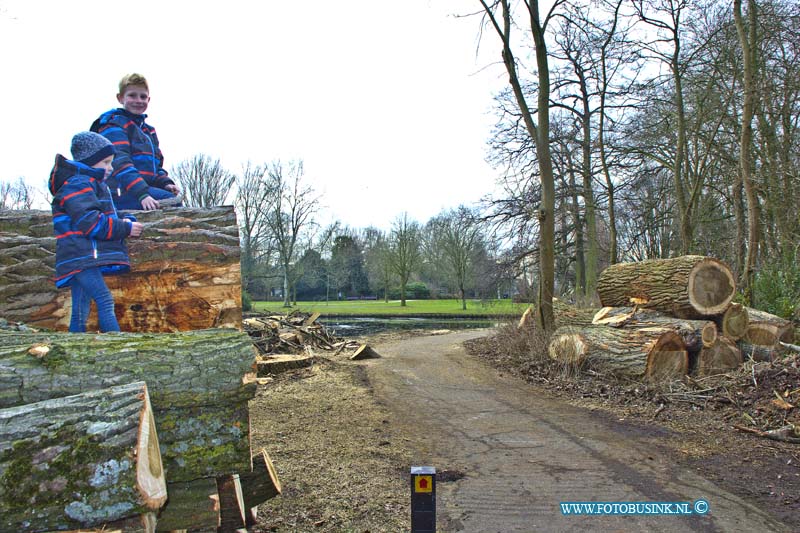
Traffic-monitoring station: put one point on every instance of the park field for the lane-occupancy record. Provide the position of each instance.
(488, 308)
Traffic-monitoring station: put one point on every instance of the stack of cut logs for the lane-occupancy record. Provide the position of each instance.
(663, 319)
(142, 431)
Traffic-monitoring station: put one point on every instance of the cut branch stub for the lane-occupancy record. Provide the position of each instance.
(690, 286)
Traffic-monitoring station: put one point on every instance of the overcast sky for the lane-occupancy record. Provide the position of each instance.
(386, 102)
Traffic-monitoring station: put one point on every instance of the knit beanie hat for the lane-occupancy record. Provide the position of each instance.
(90, 148)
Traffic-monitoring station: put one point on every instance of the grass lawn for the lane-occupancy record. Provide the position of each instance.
(413, 307)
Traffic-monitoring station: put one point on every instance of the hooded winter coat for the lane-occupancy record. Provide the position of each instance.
(138, 162)
(88, 231)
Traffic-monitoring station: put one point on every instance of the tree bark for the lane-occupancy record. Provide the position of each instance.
(723, 356)
(81, 460)
(185, 272)
(652, 353)
(689, 286)
(145, 523)
(696, 334)
(198, 384)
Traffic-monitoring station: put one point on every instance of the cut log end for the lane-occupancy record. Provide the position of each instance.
(568, 348)
(668, 358)
(720, 358)
(734, 321)
(711, 287)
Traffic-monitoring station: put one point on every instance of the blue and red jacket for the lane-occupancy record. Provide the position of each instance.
(88, 231)
(138, 162)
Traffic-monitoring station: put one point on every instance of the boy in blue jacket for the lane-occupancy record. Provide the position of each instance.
(139, 180)
(89, 234)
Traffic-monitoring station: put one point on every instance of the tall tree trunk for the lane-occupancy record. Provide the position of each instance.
(747, 39)
(684, 214)
(588, 191)
(580, 268)
(286, 295)
(547, 210)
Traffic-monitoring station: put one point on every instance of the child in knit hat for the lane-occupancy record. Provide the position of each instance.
(89, 234)
(139, 180)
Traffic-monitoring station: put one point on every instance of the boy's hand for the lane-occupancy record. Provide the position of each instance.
(173, 189)
(136, 229)
(150, 203)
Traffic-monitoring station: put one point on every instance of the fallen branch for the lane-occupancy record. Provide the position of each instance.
(787, 433)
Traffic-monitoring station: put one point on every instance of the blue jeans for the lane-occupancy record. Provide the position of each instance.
(89, 285)
(128, 202)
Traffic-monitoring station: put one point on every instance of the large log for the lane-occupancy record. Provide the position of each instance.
(198, 382)
(696, 334)
(734, 321)
(185, 272)
(760, 352)
(652, 353)
(723, 356)
(766, 329)
(79, 461)
(565, 314)
(689, 286)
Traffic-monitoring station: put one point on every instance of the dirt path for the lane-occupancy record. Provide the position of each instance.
(521, 453)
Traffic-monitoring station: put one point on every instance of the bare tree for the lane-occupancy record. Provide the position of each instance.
(291, 212)
(748, 41)
(460, 235)
(203, 180)
(404, 251)
(376, 257)
(252, 200)
(500, 18)
(17, 195)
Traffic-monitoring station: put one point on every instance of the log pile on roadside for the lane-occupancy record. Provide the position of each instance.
(142, 431)
(668, 318)
(168, 452)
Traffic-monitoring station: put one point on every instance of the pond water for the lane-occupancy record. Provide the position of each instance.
(359, 326)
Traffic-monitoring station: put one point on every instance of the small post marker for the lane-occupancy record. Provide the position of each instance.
(423, 499)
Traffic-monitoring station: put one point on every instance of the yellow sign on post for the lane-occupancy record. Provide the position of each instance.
(423, 484)
(423, 499)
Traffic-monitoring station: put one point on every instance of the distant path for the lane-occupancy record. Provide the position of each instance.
(522, 453)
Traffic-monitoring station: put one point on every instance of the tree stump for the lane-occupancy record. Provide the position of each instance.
(690, 286)
(652, 353)
(185, 272)
(80, 461)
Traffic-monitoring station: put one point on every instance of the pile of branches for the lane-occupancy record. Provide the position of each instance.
(763, 397)
(295, 333)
